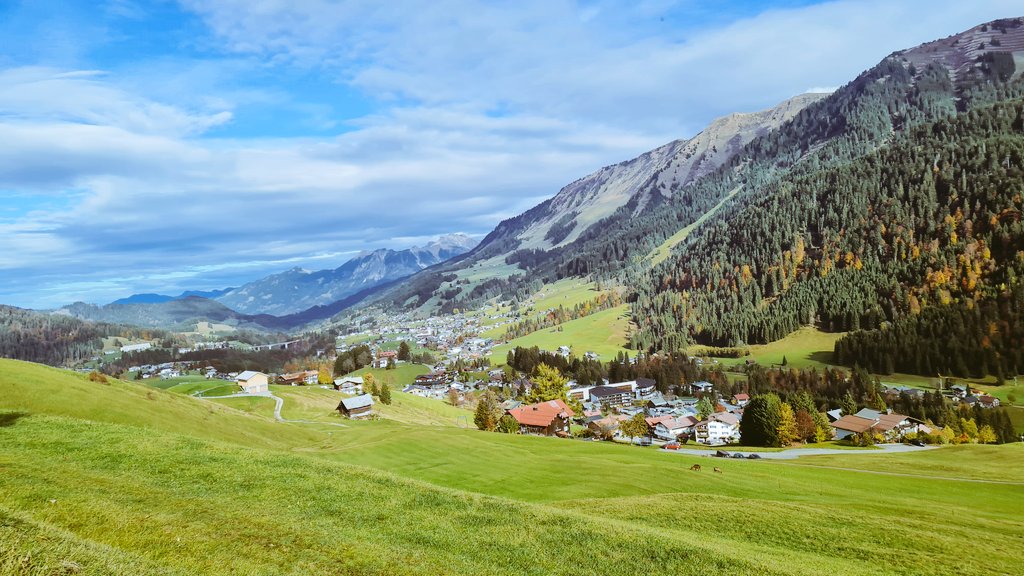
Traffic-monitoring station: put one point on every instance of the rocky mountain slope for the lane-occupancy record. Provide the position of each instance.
(662, 171)
(296, 290)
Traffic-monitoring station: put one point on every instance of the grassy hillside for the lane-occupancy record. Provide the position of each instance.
(805, 348)
(82, 490)
(31, 388)
(604, 332)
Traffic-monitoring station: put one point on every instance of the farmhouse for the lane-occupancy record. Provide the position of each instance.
(546, 418)
(719, 428)
(891, 426)
(851, 425)
(349, 384)
(299, 378)
(357, 406)
(253, 382)
(384, 357)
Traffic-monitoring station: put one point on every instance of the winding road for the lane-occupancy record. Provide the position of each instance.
(278, 404)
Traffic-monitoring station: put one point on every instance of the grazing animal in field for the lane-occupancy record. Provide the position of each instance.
(717, 469)
(695, 467)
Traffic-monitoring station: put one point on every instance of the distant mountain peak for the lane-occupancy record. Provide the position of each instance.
(299, 289)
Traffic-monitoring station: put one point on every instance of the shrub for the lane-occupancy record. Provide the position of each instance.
(95, 376)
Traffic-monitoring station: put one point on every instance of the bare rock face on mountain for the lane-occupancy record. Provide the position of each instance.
(296, 290)
(677, 164)
(992, 49)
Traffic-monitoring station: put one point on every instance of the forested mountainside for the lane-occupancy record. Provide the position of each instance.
(931, 219)
(45, 338)
(907, 89)
(57, 339)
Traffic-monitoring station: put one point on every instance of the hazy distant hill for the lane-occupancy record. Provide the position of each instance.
(160, 298)
(297, 290)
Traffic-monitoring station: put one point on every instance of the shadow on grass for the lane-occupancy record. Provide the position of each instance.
(822, 356)
(10, 418)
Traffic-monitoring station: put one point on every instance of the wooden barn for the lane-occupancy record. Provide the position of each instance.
(356, 406)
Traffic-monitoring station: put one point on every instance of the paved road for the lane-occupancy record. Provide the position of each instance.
(909, 475)
(793, 453)
(278, 404)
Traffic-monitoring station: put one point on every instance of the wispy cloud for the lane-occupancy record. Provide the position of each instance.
(297, 133)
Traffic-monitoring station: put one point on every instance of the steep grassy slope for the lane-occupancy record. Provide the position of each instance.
(33, 388)
(82, 489)
(605, 333)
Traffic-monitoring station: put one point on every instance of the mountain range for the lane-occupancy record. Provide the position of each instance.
(296, 290)
(282, 301)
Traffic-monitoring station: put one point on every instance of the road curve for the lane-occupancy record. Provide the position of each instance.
(278, 404)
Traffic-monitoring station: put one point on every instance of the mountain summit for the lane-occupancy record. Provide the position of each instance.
(296, 290)
(579, 205)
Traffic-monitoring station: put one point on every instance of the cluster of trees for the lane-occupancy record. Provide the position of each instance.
(768, 421)
(353, 359)
(667, 370)
(817, 391)
(381, 391)
(560, 315)
(488, 415)
(584, 371)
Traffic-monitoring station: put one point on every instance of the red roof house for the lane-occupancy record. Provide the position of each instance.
(548, 418)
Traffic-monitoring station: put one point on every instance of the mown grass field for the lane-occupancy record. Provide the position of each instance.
(604, 333)
(121, 478)
(400, 377)
(806, 348)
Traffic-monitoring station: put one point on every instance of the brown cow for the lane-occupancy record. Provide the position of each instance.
(717, 469)
(695, 467)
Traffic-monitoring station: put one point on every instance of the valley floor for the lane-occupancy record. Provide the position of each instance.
(120, 478)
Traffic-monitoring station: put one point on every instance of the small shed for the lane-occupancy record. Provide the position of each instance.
(357, 406)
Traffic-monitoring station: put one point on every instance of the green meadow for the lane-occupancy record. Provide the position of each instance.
(605, 332)
(121, 478)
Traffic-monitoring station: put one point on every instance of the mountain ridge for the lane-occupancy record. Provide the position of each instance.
(296, 290)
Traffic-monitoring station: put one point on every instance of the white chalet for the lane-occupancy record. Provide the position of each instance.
(719, 428)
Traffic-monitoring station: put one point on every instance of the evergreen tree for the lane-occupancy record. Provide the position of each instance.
(705, 408)
(508, 424)
(761, 419)
(385, 394)
(848, 405)
(403, 351)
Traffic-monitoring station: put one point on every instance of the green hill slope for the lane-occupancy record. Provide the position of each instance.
(99, 479)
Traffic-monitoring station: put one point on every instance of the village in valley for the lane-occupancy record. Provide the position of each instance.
(450, 360)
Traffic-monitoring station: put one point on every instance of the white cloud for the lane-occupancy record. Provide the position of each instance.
(480, 110)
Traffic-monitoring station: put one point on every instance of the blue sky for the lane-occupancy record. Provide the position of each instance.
(169, 145)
